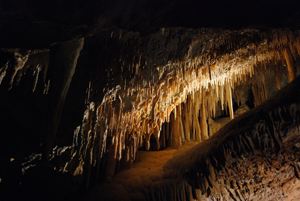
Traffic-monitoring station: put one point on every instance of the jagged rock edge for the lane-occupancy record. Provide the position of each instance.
(204, 160)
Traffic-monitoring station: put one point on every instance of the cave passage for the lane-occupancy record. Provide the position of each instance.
(175, 113)
(151, 106)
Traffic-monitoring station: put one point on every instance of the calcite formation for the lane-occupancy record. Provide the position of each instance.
(20, 60)
(187, 90)
(90, 88)
(253, 157)
(161, 91)
(172, 99)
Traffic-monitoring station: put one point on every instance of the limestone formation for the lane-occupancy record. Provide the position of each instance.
(149, 100)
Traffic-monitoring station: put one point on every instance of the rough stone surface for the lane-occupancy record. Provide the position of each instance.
(245, 160)
(126, 42)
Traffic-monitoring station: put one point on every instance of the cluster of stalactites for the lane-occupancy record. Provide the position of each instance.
(20, 61)
(190, 90)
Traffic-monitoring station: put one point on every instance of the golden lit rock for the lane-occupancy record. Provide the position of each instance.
(192, 88)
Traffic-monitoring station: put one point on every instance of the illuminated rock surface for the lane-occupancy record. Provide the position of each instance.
(254, 157)
(97, 97)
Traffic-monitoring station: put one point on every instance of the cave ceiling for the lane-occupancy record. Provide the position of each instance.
(92, 83)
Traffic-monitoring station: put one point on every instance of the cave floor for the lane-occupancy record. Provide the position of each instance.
(131, 183)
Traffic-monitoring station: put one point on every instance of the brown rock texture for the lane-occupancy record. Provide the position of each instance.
(254, 157)
(126, 76)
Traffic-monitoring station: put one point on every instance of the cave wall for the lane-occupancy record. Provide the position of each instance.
(31, 108)
(42, 47)
(108, 60)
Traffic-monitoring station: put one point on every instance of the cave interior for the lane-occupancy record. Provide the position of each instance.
(149, 100)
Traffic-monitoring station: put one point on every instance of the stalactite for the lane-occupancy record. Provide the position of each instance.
(163, 137)
(265, 87)
(168, 115)
(111, 163)
(99, 133)
(147, 141)
(291, 68)
(120, 146)
(197, 129)
(156, 135)
(186, 122)
(168, 135)
(229, 100)
(175, 132)
(190, 106)
(204, 126)
(222, 96)
(151, 101)
(115, 143)
(278, 78)
(281, 58)
(182, 129)
(89, 160)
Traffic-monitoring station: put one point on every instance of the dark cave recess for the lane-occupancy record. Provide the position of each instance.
(41, 23)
